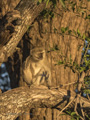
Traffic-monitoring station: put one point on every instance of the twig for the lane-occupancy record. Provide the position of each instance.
(82, 110)
(66, 106)
(79, 96)
(88, 97)
(75, 109)
(63, 85)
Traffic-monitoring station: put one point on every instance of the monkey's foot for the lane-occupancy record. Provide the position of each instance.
(39, 86)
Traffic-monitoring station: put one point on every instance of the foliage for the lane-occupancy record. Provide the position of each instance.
(47, 13)
(73, 115)
(54, 48)
(53, 2)
(63, 30)
(86, 87)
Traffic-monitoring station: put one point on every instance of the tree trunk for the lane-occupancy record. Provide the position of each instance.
(50, 35)
(68, 45)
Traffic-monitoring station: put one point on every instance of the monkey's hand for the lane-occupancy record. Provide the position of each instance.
(41, 78)
(46, 75)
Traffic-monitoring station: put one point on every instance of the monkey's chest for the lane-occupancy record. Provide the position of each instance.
(34, 73)
(36, 68)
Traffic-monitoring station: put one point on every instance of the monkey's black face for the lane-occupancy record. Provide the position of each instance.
(38, 56)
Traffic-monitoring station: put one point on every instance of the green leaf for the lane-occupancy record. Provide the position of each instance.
(60, 62)
(88, 17)
(72, 119)
(40, 1)
(87, 55)
(84, 36)
(74, 32)
(88, 39)
(66, 28)
(55, 30)
(73, 113)
(78, 118)
(70, 59)
(68, 112)
(81, 69)
(51, 14)
(73, 6)
(69, 31)
(63, 4)
(47, 2)
(78, 32)
(63, 30)
(56, 47)
(88, 117)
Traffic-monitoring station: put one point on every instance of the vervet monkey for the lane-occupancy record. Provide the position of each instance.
(36, 68)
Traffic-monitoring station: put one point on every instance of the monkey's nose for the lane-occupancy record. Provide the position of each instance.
(41, 55)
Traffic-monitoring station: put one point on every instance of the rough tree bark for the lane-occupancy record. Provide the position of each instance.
(74, 21)
(16, 101)
(28, 12)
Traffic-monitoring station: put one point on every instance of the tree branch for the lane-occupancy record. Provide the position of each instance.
(29, 10)
(16, 101)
